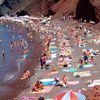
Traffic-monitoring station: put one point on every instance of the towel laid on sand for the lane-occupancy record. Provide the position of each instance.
(82, 74)
(73, 82)
(53, 50)
(26, 98)
(53, 55)
(93, 84)
(48, 61)
(88, 65)
(70, 70)
(52, 73)
(45, 90)
(96, 81)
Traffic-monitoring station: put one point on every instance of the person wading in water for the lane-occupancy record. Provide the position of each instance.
(3, 54)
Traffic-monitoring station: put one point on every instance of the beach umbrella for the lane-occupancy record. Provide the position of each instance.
(70, 95)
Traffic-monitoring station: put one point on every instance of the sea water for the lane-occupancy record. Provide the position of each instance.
(10, 68)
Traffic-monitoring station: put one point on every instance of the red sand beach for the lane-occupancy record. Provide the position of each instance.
(58, 32)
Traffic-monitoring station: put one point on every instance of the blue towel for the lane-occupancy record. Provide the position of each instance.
(70, 70)
(54, 50)
(88, 65)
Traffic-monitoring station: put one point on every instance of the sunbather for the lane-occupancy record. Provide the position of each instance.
(38, 86)
(54, 70)
(25, 75)
(64, 79)
(63, 82)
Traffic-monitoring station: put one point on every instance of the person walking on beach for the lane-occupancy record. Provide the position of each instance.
(43, 61)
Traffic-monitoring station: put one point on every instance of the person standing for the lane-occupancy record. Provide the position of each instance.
(13, 37)
(12, 46)
(85, 32)
(3, 54)
(85, 58)
(43, 61)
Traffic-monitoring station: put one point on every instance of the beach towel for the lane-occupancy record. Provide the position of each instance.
(48, 61)
(45, 90)
(88, 65)
(48, 81)
(93, 84)
(82, 45)
(26, 98)
(53, 50)
(52, 46)
(84, 50)
(25, 56)
(69, 65)
(49, 99)
(96, 81)
(67, 59)
(53, 55)
(70, 70)
(52, 73)
(82, 74)
(52, 43)
(73, 82)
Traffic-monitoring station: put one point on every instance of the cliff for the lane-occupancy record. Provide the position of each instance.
(32, 7)
(85, 9)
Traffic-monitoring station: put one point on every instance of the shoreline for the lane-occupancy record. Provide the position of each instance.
(30, 65)
(43, 74)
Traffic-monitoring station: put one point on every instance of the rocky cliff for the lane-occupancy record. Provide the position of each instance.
(32, 7)
(85, 9)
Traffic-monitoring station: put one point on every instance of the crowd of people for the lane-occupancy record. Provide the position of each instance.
(53, 31)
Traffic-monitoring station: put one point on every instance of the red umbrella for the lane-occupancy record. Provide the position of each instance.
(70, 95)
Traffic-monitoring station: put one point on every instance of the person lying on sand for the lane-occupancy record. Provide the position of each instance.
(53, 71)
(38, 86)
(64, 79)
(63, 82)
(60, 64)
(25, 75)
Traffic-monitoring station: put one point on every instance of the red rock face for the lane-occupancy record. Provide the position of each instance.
(65, 7)
(92, 93)
(71, 7)
(87, 9)
(96, 4)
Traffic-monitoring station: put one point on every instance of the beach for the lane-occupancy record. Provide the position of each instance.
(23, 88)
